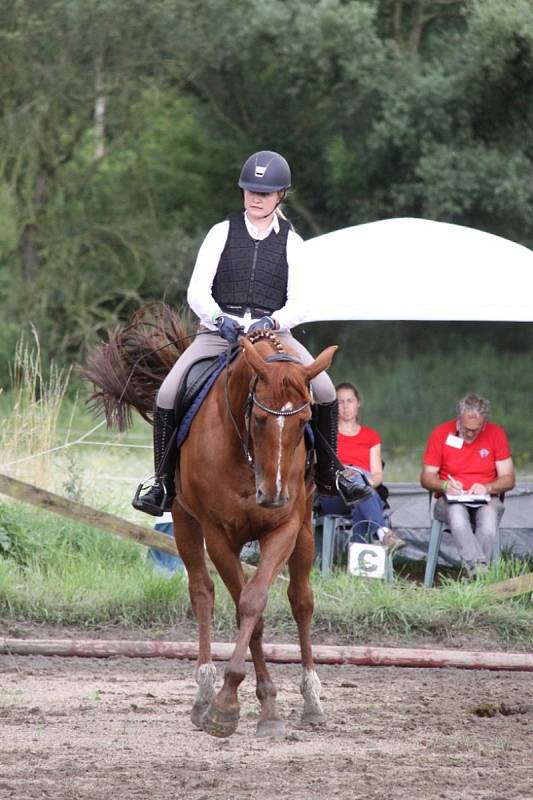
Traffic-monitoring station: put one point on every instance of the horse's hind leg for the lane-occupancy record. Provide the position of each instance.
(190, 544)
(301, 600)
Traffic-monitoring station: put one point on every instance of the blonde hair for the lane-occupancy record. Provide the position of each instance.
(281, 214)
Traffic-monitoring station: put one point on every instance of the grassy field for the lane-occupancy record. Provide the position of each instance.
(56, 571)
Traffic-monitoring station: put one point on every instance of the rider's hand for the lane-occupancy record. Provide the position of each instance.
(228, 328)
(263, 324)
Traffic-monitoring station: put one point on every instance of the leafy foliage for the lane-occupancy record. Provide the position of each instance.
(123, 126)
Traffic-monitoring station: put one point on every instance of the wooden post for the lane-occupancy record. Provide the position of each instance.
(81, 513)
(27, 493)
(509, 588)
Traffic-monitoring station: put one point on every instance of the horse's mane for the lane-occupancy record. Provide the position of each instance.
(128, 369)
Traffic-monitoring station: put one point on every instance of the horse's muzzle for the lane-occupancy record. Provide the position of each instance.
(271, 501)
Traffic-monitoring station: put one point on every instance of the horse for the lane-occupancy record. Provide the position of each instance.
(241, 476)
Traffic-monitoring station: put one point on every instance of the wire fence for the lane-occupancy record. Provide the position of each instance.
(80, 440)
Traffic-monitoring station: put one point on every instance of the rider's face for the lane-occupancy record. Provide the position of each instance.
(260, 205)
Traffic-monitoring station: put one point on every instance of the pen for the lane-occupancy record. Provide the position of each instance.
(455, 483)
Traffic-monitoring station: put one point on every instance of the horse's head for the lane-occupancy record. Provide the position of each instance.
(280, 408)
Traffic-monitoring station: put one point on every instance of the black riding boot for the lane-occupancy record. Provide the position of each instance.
(160, 495)
(330, 478)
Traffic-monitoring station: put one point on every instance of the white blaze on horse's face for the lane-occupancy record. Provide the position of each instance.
(281, 425)
(272, 490)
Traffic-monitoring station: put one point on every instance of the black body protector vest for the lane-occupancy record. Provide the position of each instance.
(252, 274)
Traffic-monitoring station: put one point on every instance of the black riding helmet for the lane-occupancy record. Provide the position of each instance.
(265, 171)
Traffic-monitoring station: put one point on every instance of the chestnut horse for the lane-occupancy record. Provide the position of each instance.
(242, 477)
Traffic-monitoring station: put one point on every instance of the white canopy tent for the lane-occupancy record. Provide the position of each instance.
(417, 269)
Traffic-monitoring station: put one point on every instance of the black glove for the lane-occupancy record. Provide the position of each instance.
(228, 328)
(263, 324)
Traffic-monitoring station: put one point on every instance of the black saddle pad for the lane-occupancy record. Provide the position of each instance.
(197, 376)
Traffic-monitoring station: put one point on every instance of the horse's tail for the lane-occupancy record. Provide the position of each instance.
(127, 371)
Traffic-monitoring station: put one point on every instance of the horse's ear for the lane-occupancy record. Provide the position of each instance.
(321, 362)
(256, 362)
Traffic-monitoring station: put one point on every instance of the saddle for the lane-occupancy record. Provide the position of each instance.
(195, 387)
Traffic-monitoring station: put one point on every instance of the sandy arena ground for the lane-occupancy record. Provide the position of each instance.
(119, 729)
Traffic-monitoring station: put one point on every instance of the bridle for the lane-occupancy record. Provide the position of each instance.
(252, 400)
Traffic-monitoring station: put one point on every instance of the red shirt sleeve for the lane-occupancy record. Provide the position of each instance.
(502, 449)
(433, 453)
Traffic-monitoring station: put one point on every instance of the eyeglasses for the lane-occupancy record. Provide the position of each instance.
(470, 431)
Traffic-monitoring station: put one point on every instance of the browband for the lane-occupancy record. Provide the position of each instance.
(283, 357)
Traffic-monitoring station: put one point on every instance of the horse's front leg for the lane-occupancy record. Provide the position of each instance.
(301, 600)
(222, 718)
(269, 723)
(190, 543)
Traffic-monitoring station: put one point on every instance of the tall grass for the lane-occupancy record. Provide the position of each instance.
(29, 426)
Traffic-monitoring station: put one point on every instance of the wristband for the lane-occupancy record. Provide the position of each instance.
(215, 315)
(444, 485)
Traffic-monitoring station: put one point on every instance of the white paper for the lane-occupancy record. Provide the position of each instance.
(465, 497)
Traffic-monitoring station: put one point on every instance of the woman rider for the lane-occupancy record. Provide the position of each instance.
(249, 275)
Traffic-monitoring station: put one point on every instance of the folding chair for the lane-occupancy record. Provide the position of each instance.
(327, 527)
(435, 538)
(330, 528)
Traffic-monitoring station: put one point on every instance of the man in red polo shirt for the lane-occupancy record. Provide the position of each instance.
(470, 455)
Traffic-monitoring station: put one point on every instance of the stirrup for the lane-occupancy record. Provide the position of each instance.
(140, 504)
(352, 493)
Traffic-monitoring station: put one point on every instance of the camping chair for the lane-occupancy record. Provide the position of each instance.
(333, 532)
(435, 538)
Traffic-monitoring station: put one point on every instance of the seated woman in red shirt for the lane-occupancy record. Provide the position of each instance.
(359, 446)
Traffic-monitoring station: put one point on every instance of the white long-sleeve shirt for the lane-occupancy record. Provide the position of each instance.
(199, 293)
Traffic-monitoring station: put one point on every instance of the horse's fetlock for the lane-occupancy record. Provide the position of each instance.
(234, 675)
(265, 690)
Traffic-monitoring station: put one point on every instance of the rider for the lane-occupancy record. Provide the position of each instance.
(249, 275)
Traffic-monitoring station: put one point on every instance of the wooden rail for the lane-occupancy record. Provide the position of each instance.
(27, 493)
(281, 653)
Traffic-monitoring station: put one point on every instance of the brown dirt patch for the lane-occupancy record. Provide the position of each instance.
(119, 729)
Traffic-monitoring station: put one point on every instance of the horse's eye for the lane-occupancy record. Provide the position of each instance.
(260, 421)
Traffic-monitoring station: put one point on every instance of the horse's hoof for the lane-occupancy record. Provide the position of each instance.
(313, 718)
(275, 728)
(220, 723)
(198, 712)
